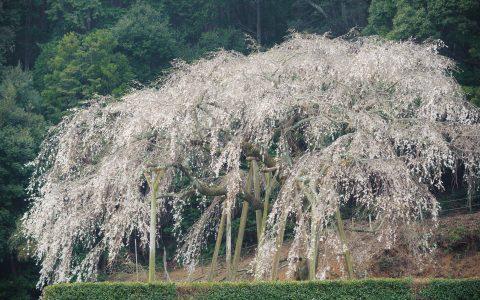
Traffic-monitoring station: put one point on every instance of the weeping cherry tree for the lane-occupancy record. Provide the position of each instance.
(300, 133)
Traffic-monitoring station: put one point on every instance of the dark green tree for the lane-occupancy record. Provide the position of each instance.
(455, 22)
(9, 21)
(334, 16)
(229, 39)
(191, 18)
(145, 36)
(401, 19)
(83, 16)
(78, 67)
(21, 131)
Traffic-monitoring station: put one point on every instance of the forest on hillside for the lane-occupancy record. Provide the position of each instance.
(55, 55)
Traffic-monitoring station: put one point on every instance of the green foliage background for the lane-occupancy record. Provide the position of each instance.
(55, 54)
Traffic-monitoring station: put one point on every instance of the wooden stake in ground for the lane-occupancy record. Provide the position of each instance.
(243, 222)
(278, 246)
(268, 191)
(228, 247)
(343, 239)
(312, 263)
(238, 245)
(312, 258)
(218, 243)
(470, 191)
(165, 270)
(136, 258)
(256, 193)
(153, 180)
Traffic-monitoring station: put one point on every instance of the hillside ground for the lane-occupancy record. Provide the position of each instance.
(457, 255)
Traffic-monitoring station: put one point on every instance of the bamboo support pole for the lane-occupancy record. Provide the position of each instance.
(238, 245)
(343, 239)
(218, 243)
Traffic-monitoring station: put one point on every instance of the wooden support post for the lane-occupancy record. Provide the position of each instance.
(153, 182)
(136, 259)
(238, 245)
(470, 191)
(153, 233)
(312, 260)
(165, 269)
(278, 246)
(218, 243)
(228, 255)
(256, 192)
(268, 191)
(343, 240)
(258, 220)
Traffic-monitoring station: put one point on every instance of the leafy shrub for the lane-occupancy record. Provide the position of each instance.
(337, 289)
(355, 289)
(451, 289)
(110, 290)
(334, 289)
(459, 238)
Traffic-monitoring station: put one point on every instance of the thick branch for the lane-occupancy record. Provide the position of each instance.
(216, 189)
(251, 150)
